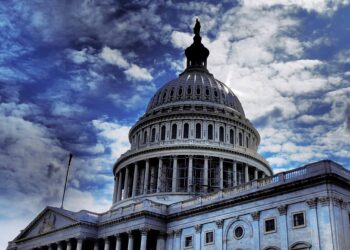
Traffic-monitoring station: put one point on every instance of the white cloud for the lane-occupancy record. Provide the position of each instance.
(137, 73)
(115, 57)
(319, 6)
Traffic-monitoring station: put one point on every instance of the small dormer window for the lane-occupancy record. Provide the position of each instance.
(215, 93)
(207, 91)
(180, 91)
(198, 90)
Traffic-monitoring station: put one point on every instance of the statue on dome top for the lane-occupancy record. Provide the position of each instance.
(197, 28)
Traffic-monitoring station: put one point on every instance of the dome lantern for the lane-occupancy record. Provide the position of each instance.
(197, 54)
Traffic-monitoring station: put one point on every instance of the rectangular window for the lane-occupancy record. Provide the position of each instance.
(299, 219)
(188, 241)
(270, 225)
(209, 237)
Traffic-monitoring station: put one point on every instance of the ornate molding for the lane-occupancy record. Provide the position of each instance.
(324, 200)
(312, 203)
(198, 228)
(282, 209)
(219, 223)
(177, 232)
(255, 215)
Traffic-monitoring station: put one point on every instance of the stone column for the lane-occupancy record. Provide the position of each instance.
(130, 241)
(160, 172)
(246, 173)
(177, 239)
(80, 244)
(283, 226)
(59, 245)
(255, 174)
(69, 245)
(134, 181)
(190, 174)
(153, 177)
(160, 241)
(234, 173)
(256, 231)
(119, 193)
(126, 183)
(115, 193)
(323, 214)
(219, 235)
(205, 174)
(169, 240)
(96, 244)
(118, 243)
(145, 183)
(197, 243)
(144, 232)
(221, 166)
(174, 181)
(312, 203)
(106, 244)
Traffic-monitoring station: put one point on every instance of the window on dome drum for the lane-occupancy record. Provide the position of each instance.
(198, 90)
(270, 225)
(186, 128)
(207, 91)
(162, 133)
(145, 137)
(189, 90)
(231, 136)
(221, 134)
(198, 131)
(247, 142)
(188, 241)
(180, 91)
(209, 237)
(298, 219)
(210, 132)
(173, 131)
(153, 135)
(240, 139)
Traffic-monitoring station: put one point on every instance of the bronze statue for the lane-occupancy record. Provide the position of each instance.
(197, 28)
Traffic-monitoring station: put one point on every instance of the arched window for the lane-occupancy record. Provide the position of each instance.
(186, 128)
(153, 135)
(210, 132)
(221, 134)
(198, 131)
(144, 137)
(247, 142)
(162, 133)
(173, 131)
(232, 138)
(240, 139)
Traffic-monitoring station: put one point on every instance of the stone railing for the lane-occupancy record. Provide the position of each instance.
(304, 172)
(145, 205)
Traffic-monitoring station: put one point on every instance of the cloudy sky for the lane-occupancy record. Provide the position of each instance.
(75, 75)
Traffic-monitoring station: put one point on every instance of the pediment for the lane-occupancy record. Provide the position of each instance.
(50, 219)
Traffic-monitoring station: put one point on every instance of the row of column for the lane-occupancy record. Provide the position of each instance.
(160, 244)
(145, 177)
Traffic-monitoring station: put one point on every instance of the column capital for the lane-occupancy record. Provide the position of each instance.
(255, 215)
(324, 200)
(68, 242)
(144, 230)
(106, 239)
(312, 203)
(198, 228)
(130, 233)
(117, 235)
(219, 223)
(282, 209)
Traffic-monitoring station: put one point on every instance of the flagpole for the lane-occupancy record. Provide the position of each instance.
(65, 183)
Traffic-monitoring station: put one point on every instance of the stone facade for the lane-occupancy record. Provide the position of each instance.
(193, 179)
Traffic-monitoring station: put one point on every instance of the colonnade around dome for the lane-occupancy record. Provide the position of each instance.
(182, 174)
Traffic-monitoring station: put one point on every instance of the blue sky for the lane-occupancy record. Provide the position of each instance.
(75, 75)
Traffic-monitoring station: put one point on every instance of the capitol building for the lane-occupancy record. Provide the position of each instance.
(193, 180)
